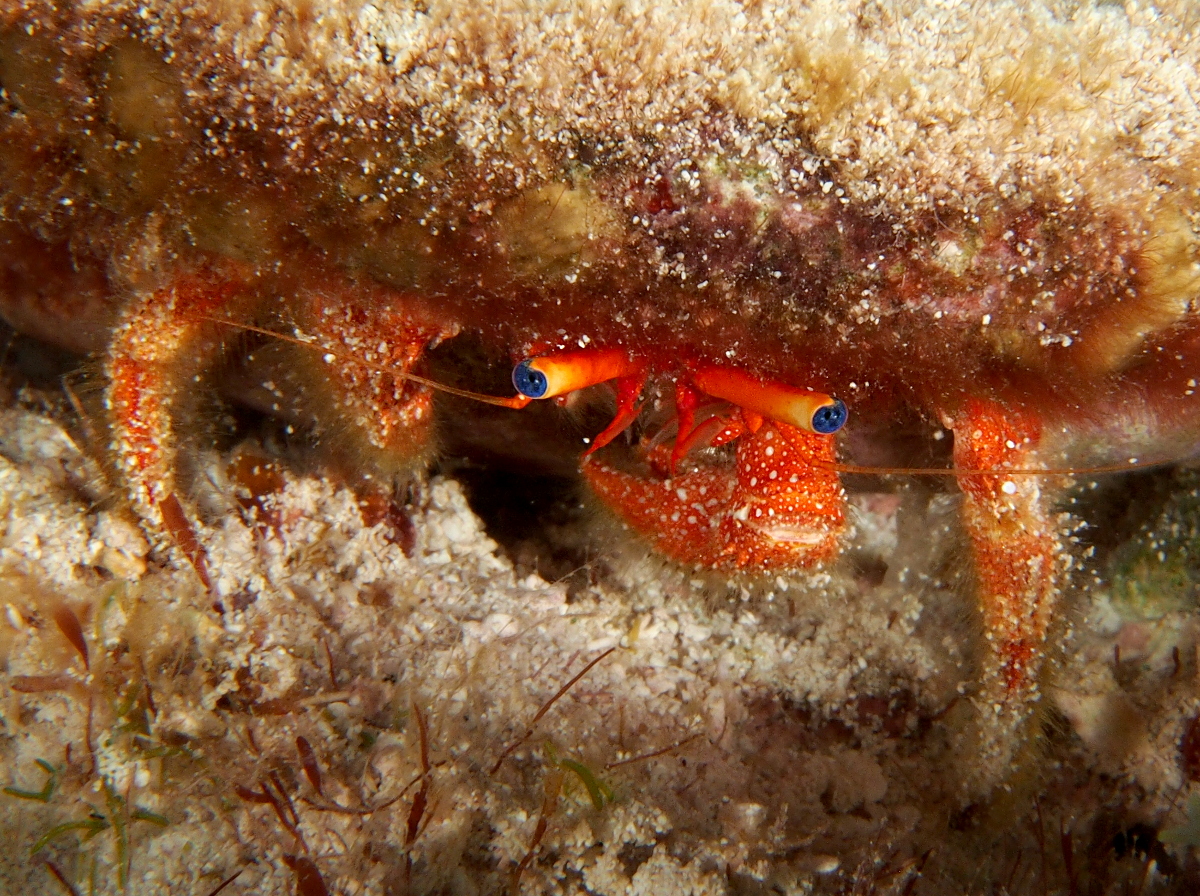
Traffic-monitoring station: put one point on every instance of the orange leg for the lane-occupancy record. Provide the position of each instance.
(159, 346)
(629, 390)
(776, 511)
(1019, 559)
(368, 339)
(167, 337)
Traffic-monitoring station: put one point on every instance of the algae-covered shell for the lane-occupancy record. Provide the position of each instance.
(897, 203)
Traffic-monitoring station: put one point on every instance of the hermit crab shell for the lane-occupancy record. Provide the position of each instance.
(895, 205)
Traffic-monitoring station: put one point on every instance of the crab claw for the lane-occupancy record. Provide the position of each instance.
(781, 507)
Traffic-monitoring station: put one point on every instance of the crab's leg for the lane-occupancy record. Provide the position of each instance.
(629, 390)
(160, 344)
(365, 341)
(1018, 555)
(780, 507)
(690, 435)
(168, 336)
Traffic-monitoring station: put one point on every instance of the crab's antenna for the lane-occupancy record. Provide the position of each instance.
(1132, 464)
(518, 401)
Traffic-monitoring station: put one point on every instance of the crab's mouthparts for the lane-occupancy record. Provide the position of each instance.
(794, 533)
(808, 529)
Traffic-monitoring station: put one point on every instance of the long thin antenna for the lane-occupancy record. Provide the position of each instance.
(518, 401)
(1133, 464)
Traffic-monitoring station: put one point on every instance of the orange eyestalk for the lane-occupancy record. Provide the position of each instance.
(550, 376)
(804, 409)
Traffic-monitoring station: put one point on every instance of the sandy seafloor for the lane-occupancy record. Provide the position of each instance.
(812, 734)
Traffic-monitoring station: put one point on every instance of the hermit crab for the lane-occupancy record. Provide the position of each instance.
(773, 214)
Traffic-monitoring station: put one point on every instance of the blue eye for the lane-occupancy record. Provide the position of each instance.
(530, 382)
(825, 420)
